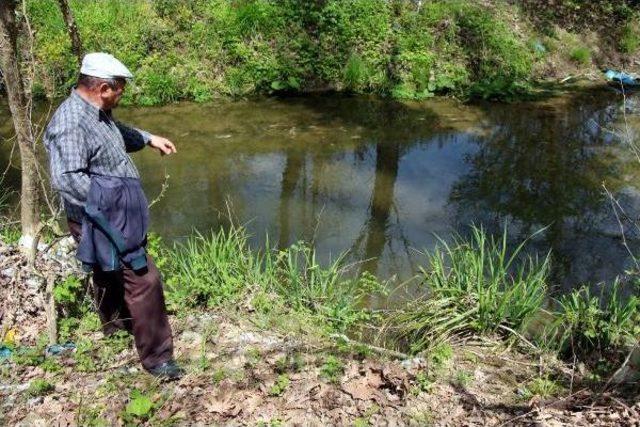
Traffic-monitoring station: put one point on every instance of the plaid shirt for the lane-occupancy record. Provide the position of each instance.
(83, 140)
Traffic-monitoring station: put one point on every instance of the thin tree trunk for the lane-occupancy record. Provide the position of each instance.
(50, 308)
(72, 29)
(19, 106)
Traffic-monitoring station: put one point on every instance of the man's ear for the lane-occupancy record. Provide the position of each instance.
(103, 88)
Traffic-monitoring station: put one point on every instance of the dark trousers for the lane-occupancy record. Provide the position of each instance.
(133, 301)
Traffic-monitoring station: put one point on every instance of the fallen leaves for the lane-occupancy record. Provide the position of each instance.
(384, 384)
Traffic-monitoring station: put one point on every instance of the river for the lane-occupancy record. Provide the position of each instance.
(384, 179)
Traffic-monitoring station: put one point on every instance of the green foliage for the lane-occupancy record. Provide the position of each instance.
(630, 37)
(289, 363)
(595, 326)
(203, 48)
(39, 387)
(424, 382)
(219, 375)
(221, 269)
(10, 234)
(462, 379)
(332, 369)
(68, 295)
(207, 271)
(140, 406)
(581, 55)
(279, 387)
(157, 250)
(440, 355)
(543, 387)
(296, 275)
(475, 285)
(29, 356)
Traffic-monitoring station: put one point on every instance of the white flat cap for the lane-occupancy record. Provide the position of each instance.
(104, 66)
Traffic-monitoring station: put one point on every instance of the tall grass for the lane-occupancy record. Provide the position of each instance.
(475, 286)
(209, 270)
(221, 268)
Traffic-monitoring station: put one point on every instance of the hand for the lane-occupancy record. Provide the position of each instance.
(162, 144)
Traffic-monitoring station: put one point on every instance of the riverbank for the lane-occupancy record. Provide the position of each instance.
(240, 374)
(205, 49)
(285, 356)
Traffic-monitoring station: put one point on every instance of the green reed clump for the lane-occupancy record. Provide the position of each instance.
(592, 326)
(328, 291)
(207, 271)
(221, 268)
(475, 286)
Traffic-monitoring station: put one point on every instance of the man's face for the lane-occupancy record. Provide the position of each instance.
(111, 95)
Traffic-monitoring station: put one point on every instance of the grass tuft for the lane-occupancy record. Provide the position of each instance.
(475, 286)
(222, 269)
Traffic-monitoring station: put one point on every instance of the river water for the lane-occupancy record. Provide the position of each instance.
(383, 179)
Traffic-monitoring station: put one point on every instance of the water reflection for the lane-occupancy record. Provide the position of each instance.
(382, 179)
(545, 167)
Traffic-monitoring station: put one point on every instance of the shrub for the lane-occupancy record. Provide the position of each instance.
(581, 55)
(201, 48)
(354, 36)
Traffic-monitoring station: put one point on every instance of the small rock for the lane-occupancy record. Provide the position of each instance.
(35, 401)
(414, 363)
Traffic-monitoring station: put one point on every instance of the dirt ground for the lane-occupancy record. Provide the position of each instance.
(240, 372)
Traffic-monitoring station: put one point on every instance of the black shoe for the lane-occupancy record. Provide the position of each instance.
(167, 371)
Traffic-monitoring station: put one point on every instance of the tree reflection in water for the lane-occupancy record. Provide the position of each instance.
(543, 167)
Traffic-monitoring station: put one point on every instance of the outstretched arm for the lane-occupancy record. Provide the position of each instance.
(136, 139)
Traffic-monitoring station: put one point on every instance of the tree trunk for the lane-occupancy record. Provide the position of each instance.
(72, 29)
(19, 106)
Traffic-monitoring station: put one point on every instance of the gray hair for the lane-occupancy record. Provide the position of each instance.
(92, 82)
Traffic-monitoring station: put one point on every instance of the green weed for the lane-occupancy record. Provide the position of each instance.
(581, 55)
(332, 369)
(140, 407)
(219, 375)
(68, 295)
(280, 386)
(221, 269)
(10, 234)
(630, 37)
(203, 48)
(424, 382)
(39, 387)
(542, 387)
(462, 379)
(289, 363)
(593, 326)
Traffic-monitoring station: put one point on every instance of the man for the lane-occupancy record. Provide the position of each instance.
(84, 140)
